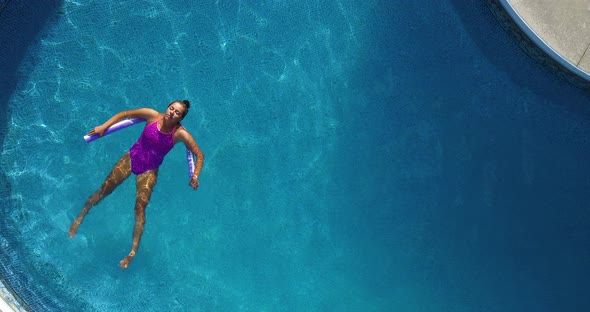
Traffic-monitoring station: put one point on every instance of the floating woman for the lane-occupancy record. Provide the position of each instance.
(161, 132)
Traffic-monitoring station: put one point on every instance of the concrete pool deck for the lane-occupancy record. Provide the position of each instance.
(554, 33)
(563, 25)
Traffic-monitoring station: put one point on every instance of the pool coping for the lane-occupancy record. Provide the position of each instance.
(534, 45)
(8, 301)
(4, 307)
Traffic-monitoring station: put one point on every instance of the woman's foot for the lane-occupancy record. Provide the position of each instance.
(74, 227)
(125, 262)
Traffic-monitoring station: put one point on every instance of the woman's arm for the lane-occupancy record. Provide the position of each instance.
(145, 113)
(191, 144)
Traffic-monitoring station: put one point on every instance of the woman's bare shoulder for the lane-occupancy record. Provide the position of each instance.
(182, 134)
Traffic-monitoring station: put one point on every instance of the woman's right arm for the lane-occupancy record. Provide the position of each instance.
(145, 113)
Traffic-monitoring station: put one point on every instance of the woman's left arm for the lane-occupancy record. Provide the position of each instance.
(191, 144)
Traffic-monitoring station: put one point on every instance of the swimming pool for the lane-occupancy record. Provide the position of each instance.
(360, 156)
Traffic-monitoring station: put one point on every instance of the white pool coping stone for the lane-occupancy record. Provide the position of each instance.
(559, 28)
(7, 301)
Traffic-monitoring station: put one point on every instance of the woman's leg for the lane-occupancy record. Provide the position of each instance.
(120, 172)
(145, 184)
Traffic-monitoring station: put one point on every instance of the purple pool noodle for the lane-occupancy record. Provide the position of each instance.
(130, 122)
(118, 126)
(191, 163)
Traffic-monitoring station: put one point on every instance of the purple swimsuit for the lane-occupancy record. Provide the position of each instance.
(151, 147)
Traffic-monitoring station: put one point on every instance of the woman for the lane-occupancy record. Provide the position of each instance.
(160, 134)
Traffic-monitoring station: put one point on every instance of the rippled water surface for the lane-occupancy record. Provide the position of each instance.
(359, 156)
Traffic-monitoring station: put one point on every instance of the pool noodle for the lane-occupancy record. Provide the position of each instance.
(114, 128)
(191, 163)
(130, 122)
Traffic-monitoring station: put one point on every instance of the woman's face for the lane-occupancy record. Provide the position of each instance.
(174, 112)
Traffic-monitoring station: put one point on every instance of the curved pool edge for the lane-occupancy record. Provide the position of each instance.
(9, 302)
(534, 45)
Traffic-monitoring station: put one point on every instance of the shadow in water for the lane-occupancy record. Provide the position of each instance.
(22, 24)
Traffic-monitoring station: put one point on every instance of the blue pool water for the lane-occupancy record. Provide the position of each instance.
(360, 156)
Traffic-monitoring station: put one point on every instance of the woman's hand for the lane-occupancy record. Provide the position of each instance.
(194, 182)
(98, 130)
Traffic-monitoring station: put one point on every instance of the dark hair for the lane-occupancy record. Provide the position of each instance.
(186, 103)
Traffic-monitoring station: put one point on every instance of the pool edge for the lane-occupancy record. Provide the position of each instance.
(9, 301)
(534, 45)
